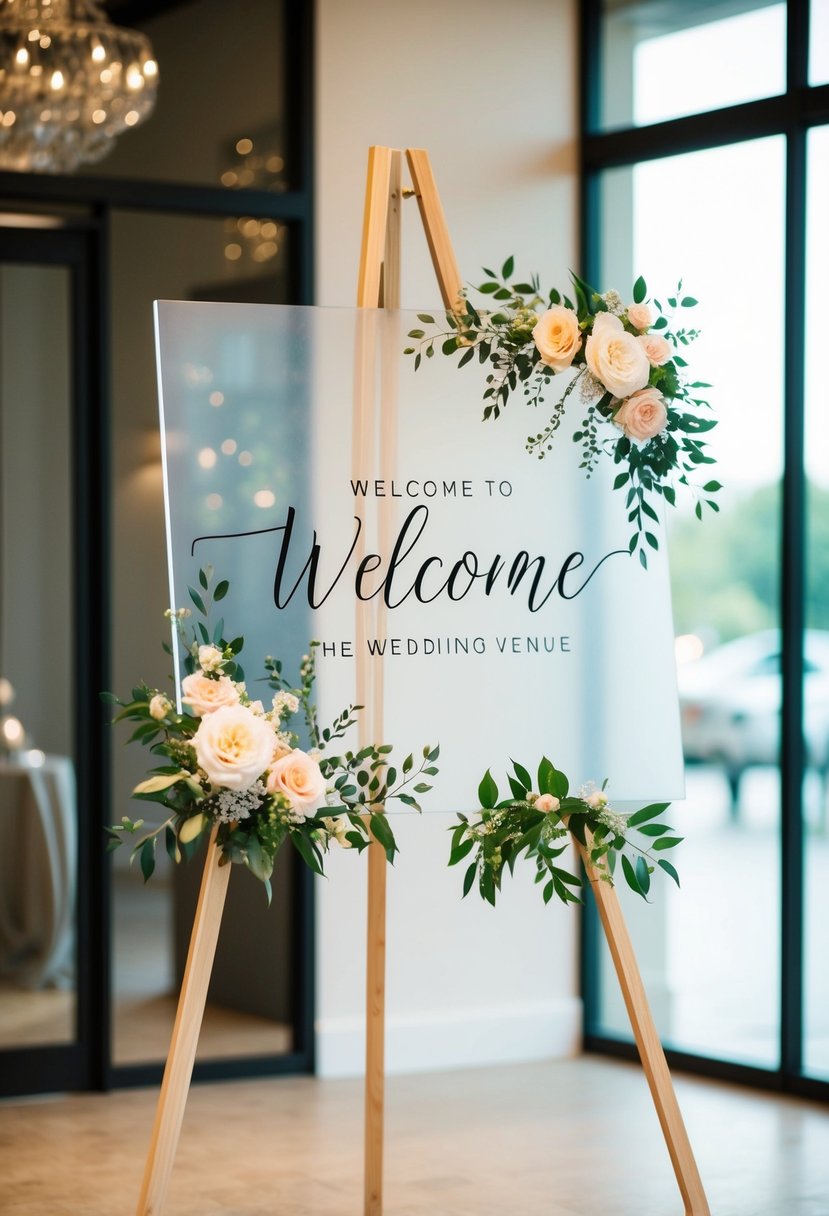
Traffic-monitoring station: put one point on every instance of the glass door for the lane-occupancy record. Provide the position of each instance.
(49, 661)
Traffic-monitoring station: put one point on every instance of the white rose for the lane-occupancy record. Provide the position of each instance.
(546, 803)
(205, 696)
(298, 777)
(210, 658)
(233, 746)
(643, 415)
(338, 826)
(596, 800)
(159, 707)
(657, 349)
(557, 337)
(640, 316)
(616, 357)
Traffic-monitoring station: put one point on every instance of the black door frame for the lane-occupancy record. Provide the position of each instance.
(791, 114)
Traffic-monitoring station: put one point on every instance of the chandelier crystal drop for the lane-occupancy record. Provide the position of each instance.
(71, 82)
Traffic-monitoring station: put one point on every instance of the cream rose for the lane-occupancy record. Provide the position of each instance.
(557, 337)
(643, 415)
(233, 746)
(616, 357)
(640, 316)
(159, 707)
(547, 803)
(657, 349)
(210, 658)
(205, 696)
(298, 777)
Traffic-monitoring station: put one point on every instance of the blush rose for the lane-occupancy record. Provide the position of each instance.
(616, 357)
(640, 316)
(557, 337)
(297, 775)
(643, 415)
(657, 349)
(233, 746)
(205, 696)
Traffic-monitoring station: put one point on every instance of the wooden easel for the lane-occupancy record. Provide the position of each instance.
(378, 287)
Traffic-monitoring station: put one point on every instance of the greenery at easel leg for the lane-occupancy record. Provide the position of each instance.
(628, 379)
(537, 823)
(229, 763)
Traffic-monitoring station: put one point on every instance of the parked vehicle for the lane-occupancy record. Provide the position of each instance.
(730, 705)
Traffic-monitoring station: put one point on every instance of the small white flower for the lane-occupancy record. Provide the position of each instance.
(257, 707)
(285, 702)
(337, 827)
(159, 707)
(210, 658)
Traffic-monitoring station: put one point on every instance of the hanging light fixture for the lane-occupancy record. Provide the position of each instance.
(71, 82)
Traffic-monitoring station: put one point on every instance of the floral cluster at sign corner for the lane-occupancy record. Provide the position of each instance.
(630, 380)
(229, 764)
(538, 822)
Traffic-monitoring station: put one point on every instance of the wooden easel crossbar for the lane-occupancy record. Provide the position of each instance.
(379, 287)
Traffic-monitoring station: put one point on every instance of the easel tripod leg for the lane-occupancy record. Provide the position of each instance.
(179, 1069)
(654, 1064)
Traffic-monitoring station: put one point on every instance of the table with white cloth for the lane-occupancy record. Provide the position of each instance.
(38, 870)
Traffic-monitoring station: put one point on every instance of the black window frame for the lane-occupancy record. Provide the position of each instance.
(792, 114)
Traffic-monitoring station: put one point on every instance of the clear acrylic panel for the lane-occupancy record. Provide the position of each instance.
(710, 952)
(663, 61)
(38, 806)
(429, 554)
(816, 684)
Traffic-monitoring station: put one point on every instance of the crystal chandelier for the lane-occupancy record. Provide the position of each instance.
(70, 83)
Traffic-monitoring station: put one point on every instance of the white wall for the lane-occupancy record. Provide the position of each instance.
(490, 90)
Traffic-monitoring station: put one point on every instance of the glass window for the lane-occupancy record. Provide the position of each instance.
(219, 115)
(663, 61)
(816, 691)
(819, 42)
(710, 952)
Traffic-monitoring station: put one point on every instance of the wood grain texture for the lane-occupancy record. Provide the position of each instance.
(179, 1068)
(651, 1053)
(435, 226)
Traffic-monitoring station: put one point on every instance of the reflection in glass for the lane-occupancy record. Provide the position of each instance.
(249, 1006)
(652, 57)
(710, 952)
(38, 822)
(816, 709)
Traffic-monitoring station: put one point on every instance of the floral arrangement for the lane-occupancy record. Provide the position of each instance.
(229, 764)
(538, 823)
(630, 380)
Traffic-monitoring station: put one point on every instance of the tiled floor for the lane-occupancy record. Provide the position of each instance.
(573, 1138)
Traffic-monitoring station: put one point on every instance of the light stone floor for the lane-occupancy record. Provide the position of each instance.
(571, 1138)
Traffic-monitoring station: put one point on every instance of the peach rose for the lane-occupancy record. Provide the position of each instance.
(298, 777)
(233, 746)
(205, 696)
(615, 357)
(656, 348)
(643, 415)
(159, 707)
(557, 337)
(546, 803)
(640, 316)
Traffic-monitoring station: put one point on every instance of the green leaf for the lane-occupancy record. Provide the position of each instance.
(162, 781)
(630, 876)
(642, 875)
(654, 829)
(507, 268)
(666, 842)
(620, 480)
(486, 289)
(522, 775)
(307, 852)
(171, 844)
(192, 827)
(689, 302)
(647, 813)
(640, 290)
(711, 487)
(469, 878)
(425, 318)
(669, 869)
(203, 579)
(460, 851)
(488, 791)
(197, 600)
(148, 858)
(221, 590)
(381, 830)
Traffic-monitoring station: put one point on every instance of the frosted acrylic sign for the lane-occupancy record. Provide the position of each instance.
(485, 599)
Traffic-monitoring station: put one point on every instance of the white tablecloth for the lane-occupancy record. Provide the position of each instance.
(38, 860)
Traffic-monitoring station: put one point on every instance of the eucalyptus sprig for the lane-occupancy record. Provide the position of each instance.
(537, 822)
(647, 418)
